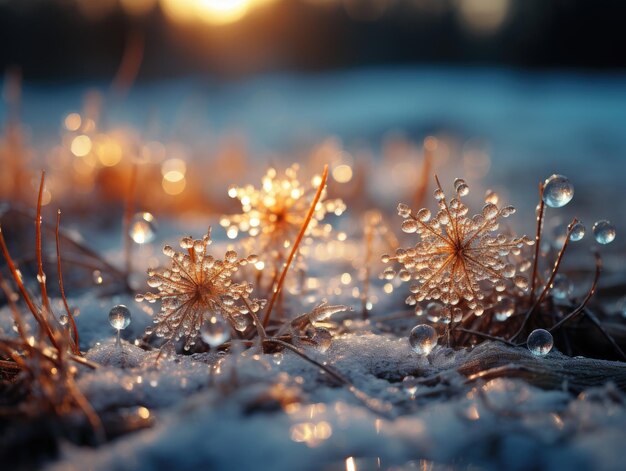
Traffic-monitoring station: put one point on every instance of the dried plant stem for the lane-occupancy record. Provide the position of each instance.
(257, 322)
(43, 324)
(296, 244)
(369, 241)
(584, 302)
(130, 63)
(368, 401)
(430, 144)
(70, 316)
(484, 335)
(128, 215)
(17, 318)
(548, 284)
(540, 214)
(41, 277)
(592, 317)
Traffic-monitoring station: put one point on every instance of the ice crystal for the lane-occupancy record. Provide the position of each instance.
(458, 257)
(198, 287)
(276, 211)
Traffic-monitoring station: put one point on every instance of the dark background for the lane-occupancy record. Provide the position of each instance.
(56, 41)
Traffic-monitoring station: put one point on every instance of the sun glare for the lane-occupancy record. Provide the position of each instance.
(208, 11)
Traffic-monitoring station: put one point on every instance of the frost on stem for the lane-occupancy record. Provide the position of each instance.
(275, 212)
(197, 287)
(458, 259)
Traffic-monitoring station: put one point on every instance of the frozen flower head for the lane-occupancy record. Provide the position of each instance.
(196, 288)
(458, 258)
(276, 211)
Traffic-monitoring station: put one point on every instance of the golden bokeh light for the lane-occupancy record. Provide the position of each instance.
(214, 12)
(81, 145)
(72, 122)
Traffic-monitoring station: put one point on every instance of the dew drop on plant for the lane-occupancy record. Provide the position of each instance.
(277, 358)
(142, 228)
(578, 232)
(557, 191)
(561, 287)
(409, 383)
(423, 339)
(119, 317)
(322, 339)
(540, 342)
(504, 309)
(215, 331)
(604, 232)
(97, 277)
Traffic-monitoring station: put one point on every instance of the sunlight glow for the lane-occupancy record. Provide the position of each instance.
(208, 11)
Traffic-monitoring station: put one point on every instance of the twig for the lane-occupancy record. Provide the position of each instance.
(484, 335)
(548, 285)
(41, 277)
(128, 215)
(540, 214)
(70, 316)
(584, 302)
(592, 317)
(294, 249)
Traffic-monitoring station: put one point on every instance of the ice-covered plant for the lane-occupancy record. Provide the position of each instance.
(458, 259)
(275, 212)
(198, 287)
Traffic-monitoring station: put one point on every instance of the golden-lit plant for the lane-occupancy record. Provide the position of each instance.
(198, 287)
(458, 259)
(44, 360)
(275, 212)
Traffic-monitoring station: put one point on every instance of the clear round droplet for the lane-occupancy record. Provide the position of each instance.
(504, 309)
(215, 331)
(142, 228)
(423, 339)
(119, 317)
(557, 191)
(578, 232)
(322, 339)
(561, 287)
(97, 277)
(604, 232)
(540, 342)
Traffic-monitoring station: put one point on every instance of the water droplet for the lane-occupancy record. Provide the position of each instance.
(504, 309)
(97, 277)
(604, 232)
(119, 317)
(64, 319)
(434, 312)
(215, 331)
(561, 287)
(423, 215)
(423, 339)
(231, 256)
(578, 232)
(557, 191)
(409, 383)
(277, 358)
(409, 226)
(142, 228)
(540, 342)
(322, 339)
(403, 210)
